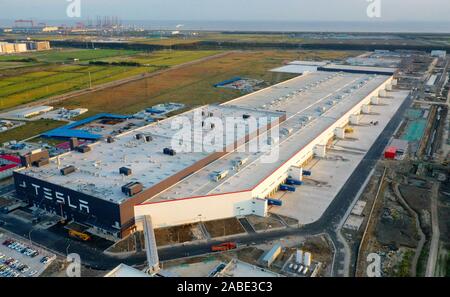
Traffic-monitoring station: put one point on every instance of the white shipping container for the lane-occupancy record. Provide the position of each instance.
(299, 257)
(307, 258)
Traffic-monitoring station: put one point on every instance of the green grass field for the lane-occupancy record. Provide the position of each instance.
(29, 130)
(21, 87)
(66, 55)
(32, 86)
(165, 58)
(194, 85)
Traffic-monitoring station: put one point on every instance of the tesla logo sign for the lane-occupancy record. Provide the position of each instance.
(58, 197)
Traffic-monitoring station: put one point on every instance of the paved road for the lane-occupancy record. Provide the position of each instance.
(344, 198)
(247, 226)
(328, 223)
(6, 189)
(434, 246)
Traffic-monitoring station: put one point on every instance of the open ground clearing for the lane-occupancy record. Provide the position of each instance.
(29, 130)
(194, 84)
(21, 86)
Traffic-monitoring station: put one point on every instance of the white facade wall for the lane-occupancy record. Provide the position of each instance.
(365, 108)
(178, 212)
(20, 47)
(340, 133)
(296, 172)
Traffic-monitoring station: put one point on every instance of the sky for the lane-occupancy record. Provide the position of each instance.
(232, 10)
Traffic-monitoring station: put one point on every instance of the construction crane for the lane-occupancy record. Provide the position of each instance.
(16, 22)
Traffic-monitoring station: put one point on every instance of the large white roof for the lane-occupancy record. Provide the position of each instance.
(97, 171)
(322, 97)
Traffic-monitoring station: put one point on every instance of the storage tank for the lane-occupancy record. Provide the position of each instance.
(307, 258)
(299, 257)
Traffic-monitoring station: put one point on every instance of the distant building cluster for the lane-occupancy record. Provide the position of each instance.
(20, 47)
(439, 54)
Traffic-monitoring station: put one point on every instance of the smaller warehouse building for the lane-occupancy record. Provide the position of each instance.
(6, 48)
(396, 149)
(271, 255)
(439, 54)
(124, 270)
(32, 111)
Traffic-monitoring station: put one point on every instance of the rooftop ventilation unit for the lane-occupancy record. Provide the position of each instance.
(169, 151)
(68, 170)
(220, 175)
(240, 162)
(41, 162)
(132, 188)
(83, 149)
(125, 171)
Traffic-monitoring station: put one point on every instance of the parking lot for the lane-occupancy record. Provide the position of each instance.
(19, 258)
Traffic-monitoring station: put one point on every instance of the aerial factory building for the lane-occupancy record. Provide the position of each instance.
(112, 185)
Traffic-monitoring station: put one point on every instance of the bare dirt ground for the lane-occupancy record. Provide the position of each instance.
(59, 266)
(224, 227)
(128, 244)
(264, 224)
(177, 234)
(418, 199)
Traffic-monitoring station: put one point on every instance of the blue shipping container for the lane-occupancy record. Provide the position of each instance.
(291, 181)
(274, 202)
(287, 188)
(306, 172)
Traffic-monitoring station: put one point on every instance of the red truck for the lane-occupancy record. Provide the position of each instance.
(223, 247)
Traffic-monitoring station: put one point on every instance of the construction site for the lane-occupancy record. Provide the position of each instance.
(404, 219)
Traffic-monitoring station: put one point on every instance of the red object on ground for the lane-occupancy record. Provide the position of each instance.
(7, 167)
(223, 247)
(10, 158)
(66, 145)
(390, 152)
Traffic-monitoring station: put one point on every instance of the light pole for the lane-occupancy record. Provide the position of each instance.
(29, 236)
(67, 249)
(90, 81)
(62, 213)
